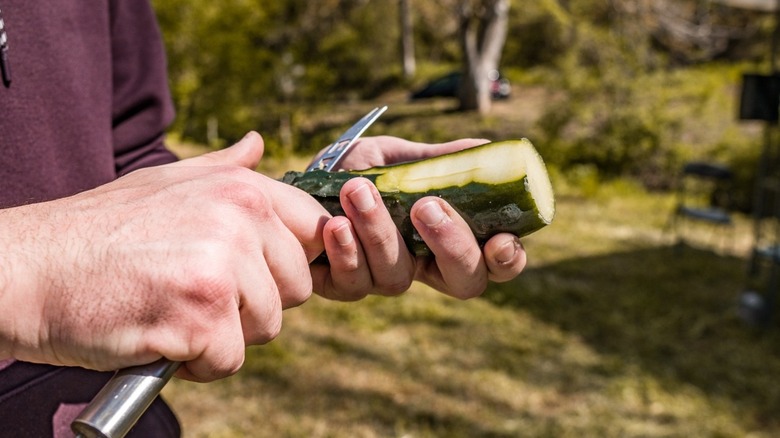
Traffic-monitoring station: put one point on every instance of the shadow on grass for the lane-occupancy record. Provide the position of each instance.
(670, 312)
(638, 343)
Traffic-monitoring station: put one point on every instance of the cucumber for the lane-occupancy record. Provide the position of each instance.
(496, 187)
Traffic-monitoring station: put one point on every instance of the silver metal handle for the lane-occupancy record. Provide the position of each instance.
(122, 401)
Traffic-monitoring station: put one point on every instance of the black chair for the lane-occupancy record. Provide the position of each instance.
(758, 301)
(703, 196)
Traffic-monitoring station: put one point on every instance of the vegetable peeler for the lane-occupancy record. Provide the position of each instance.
(121, 402)
(333, 153)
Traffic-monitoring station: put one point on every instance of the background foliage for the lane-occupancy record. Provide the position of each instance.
(630, 87)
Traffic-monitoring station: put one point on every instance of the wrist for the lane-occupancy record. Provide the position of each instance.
(21, 264)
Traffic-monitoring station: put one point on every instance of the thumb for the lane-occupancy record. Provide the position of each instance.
(246, 153)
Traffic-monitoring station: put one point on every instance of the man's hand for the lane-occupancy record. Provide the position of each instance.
(191, 261)
(367, 254)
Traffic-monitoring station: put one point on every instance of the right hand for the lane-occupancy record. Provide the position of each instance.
(190, 261)
(368, 255)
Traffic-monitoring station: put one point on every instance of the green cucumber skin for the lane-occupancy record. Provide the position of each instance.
(488, 209)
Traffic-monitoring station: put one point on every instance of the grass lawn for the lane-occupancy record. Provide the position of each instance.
(611, 331)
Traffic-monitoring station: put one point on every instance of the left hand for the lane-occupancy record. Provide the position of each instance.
(367, 254)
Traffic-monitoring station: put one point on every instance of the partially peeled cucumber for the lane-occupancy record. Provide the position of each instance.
(496, 187)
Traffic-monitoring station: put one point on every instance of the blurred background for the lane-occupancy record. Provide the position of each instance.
(641, 312)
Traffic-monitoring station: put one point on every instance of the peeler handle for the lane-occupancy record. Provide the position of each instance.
(122, 401)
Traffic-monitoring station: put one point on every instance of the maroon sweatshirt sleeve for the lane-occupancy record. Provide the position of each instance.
(89, 99)
(142, 107)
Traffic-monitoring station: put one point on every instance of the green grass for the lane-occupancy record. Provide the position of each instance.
(612, 331)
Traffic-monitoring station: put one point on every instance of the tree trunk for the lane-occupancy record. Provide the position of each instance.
(407, 40)
(482, 31)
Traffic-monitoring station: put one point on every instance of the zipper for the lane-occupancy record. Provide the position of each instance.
(5, 65)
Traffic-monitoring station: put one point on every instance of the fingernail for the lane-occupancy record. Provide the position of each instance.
(431, 214)
(343, 235)
(507, 252)
(362, 198)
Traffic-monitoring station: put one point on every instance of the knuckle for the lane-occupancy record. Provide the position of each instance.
(349, 296)
(378, 238)
(269, 330)
(294, 295)
(471, 292)
(473, 288)
(263, 322)
(395, 287)
(295, 286)
(242, 193)
(300, 296)
(347, 288)
(231, 364)
(237, 173)
(348, 265)
(206, 282)
(228, 363)
(466, 257)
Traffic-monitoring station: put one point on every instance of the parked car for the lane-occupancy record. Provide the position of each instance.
(447, 86)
